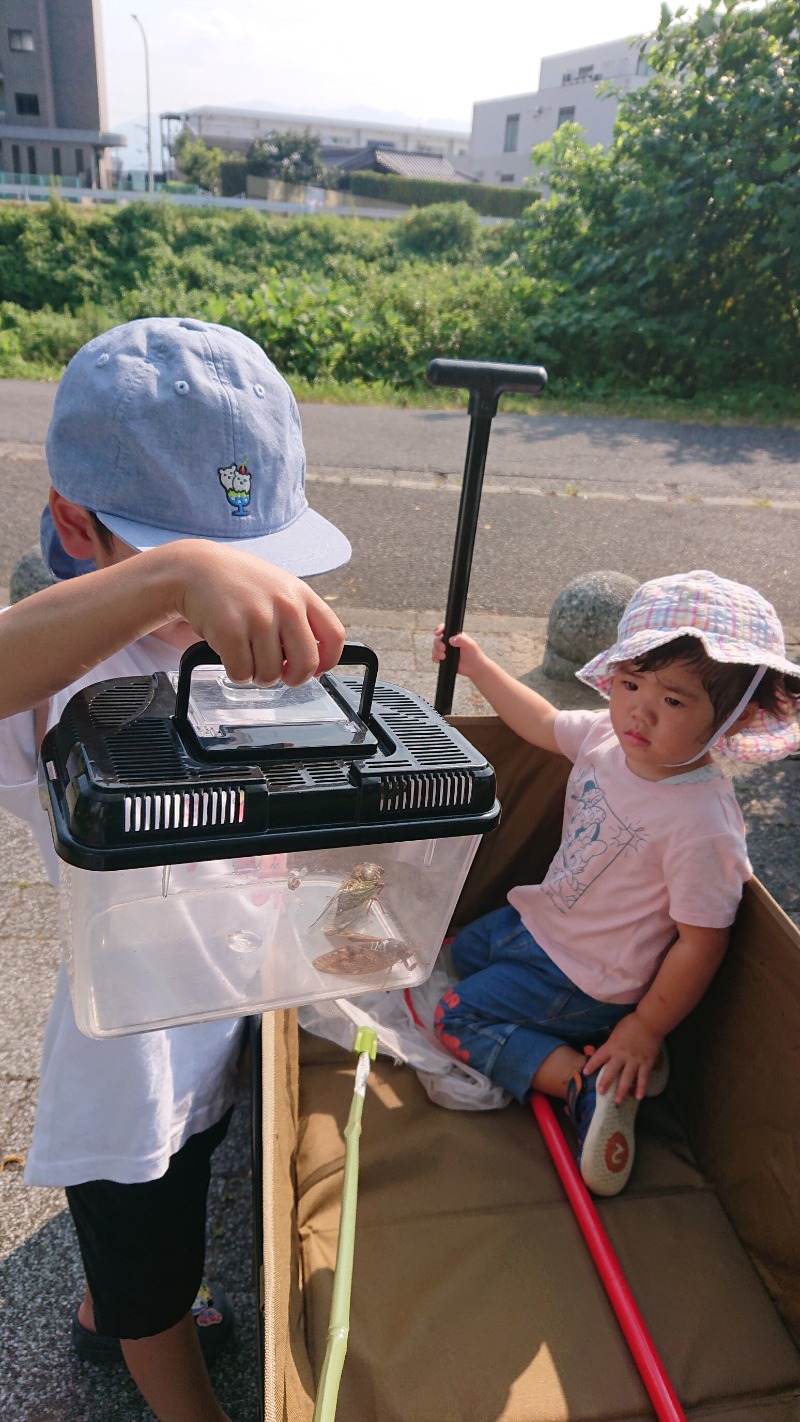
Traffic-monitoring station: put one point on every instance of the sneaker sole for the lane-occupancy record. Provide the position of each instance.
(608, 1150)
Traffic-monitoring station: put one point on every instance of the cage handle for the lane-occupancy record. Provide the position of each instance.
(200, 654)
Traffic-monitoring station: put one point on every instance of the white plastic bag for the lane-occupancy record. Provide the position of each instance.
(447, 1081)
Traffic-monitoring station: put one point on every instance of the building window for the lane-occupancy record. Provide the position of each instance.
(56, 162)
(512, 134)
(586, 71)
(506, 177)
(642, 67)
(31, 159)
(16, 159)
(21, 39)
(79, 161)
(566, 115)
(27, 104)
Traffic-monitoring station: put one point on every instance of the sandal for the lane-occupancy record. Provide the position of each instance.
(213, 1316)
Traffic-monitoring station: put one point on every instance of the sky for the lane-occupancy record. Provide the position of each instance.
(420, 61)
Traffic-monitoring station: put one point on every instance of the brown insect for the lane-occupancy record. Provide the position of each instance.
(361, 887)
(357, 955)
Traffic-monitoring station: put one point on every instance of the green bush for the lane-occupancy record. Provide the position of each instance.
(448, 229)
(423, 192)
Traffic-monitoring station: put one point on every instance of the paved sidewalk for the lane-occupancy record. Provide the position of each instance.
(40, 1273)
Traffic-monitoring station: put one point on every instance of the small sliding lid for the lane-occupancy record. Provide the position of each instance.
(223, 720)
(162, 770)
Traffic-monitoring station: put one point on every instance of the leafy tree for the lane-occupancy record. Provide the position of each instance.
(200, 163)
(288, 157)
(676, 254)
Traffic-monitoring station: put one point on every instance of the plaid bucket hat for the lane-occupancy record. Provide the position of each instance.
(735, 625)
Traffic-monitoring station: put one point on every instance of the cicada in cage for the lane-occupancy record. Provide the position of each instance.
(359, 955)
(353, 898)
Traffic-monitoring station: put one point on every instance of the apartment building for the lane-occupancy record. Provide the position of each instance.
(52, 93)
(505, 130)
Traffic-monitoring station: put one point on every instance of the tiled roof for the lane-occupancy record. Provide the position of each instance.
(399, 161)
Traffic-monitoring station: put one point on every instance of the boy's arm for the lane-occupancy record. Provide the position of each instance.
(679, 984)
(263, 622)
(532, 716)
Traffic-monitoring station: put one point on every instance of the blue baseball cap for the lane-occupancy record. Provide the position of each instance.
(169, 428)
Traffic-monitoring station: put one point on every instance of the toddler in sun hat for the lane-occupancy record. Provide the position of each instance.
(736, 627)
(623, 936)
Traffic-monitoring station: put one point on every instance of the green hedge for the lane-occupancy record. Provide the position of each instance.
(422, 192)
(233, 176)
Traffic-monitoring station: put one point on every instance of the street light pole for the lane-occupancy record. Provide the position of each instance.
(150, 182)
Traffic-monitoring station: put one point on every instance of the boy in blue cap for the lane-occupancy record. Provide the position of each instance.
(164, 432)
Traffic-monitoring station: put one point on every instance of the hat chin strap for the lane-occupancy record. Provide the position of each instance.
(726, 725)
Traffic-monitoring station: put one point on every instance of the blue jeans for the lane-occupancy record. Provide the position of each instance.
(513, 1006)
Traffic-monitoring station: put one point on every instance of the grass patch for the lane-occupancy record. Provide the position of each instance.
(766, 409)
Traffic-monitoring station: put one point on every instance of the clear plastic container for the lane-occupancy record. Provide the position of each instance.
(157, 947)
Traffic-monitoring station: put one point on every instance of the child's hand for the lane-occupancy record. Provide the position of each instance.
(264, 623)
(629, 1055)
(470, 657)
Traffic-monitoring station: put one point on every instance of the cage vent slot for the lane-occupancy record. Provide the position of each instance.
(116, 705)
(428, 744)
(287, 777)
(433, 791)
(184, 810)
(145, 752)
(331, 776)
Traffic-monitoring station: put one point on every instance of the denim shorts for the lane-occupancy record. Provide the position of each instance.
(513, 1006)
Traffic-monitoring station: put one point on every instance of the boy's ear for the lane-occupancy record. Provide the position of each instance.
(73, 526)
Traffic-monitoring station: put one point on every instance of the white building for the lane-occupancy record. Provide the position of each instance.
(505, 130)
(235, 129)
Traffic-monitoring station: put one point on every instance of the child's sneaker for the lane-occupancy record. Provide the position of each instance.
(605, 1134)
(213, 1316)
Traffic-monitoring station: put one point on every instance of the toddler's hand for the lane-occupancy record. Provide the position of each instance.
(629, 1055)
(470, 653)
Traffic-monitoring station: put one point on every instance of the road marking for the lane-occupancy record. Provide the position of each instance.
(493, 486)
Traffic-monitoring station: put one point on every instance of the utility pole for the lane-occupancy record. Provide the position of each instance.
(150, 182)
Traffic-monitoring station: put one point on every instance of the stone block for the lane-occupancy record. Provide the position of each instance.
(583, 621)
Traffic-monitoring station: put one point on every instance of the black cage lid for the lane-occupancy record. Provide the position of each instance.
(161, 770)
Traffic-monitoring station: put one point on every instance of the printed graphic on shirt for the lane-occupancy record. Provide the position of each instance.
(594, 837)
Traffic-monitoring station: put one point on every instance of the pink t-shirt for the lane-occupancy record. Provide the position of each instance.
(636, 857)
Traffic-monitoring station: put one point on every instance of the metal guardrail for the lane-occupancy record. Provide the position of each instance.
(116, 196)
(38, 180)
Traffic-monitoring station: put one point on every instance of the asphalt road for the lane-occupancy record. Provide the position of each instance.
(562, 495)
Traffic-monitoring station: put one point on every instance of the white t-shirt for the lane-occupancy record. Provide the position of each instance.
(636, 857)
(115, 1109)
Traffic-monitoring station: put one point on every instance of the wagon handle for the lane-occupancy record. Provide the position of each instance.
(651, 1369)
(486, 381)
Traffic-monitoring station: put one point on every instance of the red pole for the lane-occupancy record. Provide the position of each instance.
(651, 1368)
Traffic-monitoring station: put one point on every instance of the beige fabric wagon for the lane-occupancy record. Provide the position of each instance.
(474, 1297)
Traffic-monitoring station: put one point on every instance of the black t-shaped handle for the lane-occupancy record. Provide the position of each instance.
(486, 381)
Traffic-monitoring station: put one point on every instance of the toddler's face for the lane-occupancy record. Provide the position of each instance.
(661, 718)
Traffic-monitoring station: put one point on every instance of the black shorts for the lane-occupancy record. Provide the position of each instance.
(143, 1245)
